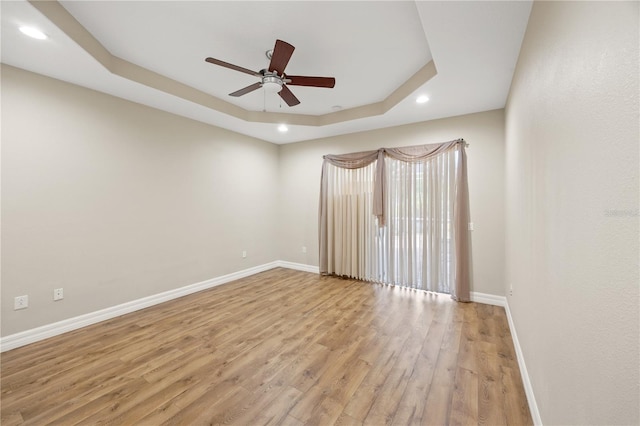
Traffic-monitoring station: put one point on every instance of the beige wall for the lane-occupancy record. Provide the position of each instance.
(300, 165)
(114, 201)
(572, 210)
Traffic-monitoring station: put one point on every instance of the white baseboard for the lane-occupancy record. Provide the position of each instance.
(298, 266)
(528, 388)
(488, 299)
(44, 332)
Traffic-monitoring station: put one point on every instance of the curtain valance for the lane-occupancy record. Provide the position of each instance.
(354, 160)
(357, 160)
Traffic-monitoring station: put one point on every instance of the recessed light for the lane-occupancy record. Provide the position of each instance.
(283, 128)
(422, 99)
(33, 32)
(336, 108)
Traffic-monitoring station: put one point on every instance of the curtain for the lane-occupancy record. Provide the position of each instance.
(398, 216)
(351, 246)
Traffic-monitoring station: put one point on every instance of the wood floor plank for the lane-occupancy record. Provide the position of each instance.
(123, 393)
(271, 408)
(390, 393)
(280, 347)
(347, 385)
(412, 403)
(464, 404)
(438, 402)
(291, 421)
(10, 419)
(362, 402)
(339, 363)
(346, 420)
(490, 401)
(515, 401)
(305, 371)
(325, 413)
(218, 404)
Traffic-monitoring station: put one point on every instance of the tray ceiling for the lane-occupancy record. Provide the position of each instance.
(382, 54)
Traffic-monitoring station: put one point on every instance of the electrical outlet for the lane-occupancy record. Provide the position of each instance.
(304, 249)
(470, 226)
(244, 254)
(511, 290)
(21, 302)
(58, 294)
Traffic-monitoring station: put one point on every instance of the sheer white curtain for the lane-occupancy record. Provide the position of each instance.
(417, 242)
(398, 216)
(352, 240)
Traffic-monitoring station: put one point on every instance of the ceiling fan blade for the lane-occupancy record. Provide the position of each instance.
(280, 58)
(288, 96)
(301, 80)
(231, 66)
(246, 90)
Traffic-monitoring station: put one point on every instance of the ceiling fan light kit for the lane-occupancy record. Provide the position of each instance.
(272, 84)
(273, 79)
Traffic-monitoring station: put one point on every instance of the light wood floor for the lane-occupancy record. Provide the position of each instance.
(280, 347)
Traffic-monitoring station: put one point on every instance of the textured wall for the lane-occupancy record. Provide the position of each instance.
(300, 165)
(114, 201)
(572, 165)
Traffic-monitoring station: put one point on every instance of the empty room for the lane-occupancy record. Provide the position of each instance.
(320, 213)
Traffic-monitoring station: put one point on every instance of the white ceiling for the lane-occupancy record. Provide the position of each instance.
(372, 49)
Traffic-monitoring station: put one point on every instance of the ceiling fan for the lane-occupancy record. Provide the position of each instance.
(273, 79)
